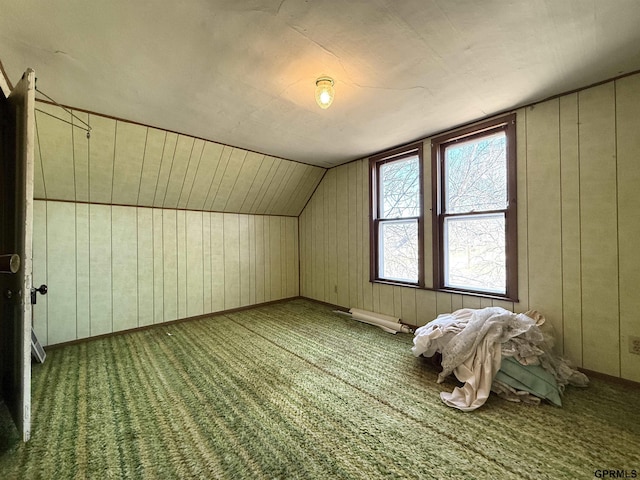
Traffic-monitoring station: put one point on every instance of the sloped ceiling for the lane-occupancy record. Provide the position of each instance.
(122, 163)
(242, 72)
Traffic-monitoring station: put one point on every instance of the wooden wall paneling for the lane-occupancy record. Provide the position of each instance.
(331, 219)
(101, 152)
(275, 258)
(145, 273)
(425, 306)
(503, 304)
(40, 269)
(397, 301)
(39, 188)
(283, 257)
(484, 303)
(318, 244)
(267, 259)
(178, 171)
(127, 169)
(409, 306)
(124, 260)
(170, 264)
(260, 259)
(469, 301)
(359, 230)
(181, 230)
(443, 303)
(221, 168)
(352, 258)
(300, 196)
(342, 236)
(457, 302)
(570, 188)
(217, 262)
(245, 260)
(245, 179)
(61, 268)
(273, 208)
(303, 251)
(259, 187)
(628, 177)
(205, 174)
(56, 149)
(286, 203)
(100, 269)
(206, 262)
(387, 303)
(251, 219)
(83, 291)
(254, 164)
(151, 162)
(164, 172)
(375, 291)
(157, 217)
(190, 176)
(544, 212)
(231, 261)
(598, 216)
(521, 168)
(80, 157)
(294, 266)
(271, 184)
(229, 180)
(194, 264)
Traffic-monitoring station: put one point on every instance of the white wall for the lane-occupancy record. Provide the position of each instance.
(112, 268)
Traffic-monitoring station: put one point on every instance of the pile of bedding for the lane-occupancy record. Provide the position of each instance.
(493, 349)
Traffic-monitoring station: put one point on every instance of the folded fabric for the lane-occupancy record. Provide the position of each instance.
(529, 378)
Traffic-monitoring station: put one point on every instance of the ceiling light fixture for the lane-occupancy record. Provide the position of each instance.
(324, 91)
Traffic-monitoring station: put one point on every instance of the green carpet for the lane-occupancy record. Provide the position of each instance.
(293, 391)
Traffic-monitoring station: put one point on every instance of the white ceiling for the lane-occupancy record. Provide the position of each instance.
(242, 72)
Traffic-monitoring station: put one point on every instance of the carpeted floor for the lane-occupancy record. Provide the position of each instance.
(293, 391)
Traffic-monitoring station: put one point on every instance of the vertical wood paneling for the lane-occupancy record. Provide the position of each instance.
(229, 179)
(178, 171)
(83, 312)
(425, 306)
(206, 261)
(158, 266)
(252, 259)
(360, 212)
(204, 176)
(145, 277)
(245, 263)
(169, 265)
(275, 263)
(99, 268)
(231, 261)
(181, 230)
(523, 233)
(260, 258)
(194, 264)
(40, 318)
(129, 155)
(293, 258)
(153, 152)
(544, 214)
(628, 177)
(218, 279)
(221, 168)
(124, 261)
(101, 151)
(56, 149)
(164, 172)
(190, 175)
(80, 157)
(266, 189)
(61, 268)
(240, 178)
(352, 258)
(598, 214)
(570, 189)
(256, 162)
(342, 237)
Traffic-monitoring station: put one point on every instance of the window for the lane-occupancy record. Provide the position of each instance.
(474, 214)
(397, 217)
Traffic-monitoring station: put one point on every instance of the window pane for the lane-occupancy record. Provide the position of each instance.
(476, 175)
(399, 251)
(400, 188)
(475, 253)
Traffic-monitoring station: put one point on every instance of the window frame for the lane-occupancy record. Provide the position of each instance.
(375, 220)
(506, 124)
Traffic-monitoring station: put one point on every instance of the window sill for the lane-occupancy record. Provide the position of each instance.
(451, 291)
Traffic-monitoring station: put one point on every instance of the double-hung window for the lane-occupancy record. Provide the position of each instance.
(474, 214)
(397, 216)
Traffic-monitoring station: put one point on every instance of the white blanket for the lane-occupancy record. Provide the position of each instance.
(471, 345)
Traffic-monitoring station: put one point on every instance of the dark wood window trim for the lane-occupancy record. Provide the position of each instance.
(375, 163)
(508, 125)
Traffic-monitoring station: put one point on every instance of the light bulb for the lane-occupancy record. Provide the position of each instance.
(324, 92)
